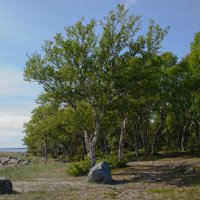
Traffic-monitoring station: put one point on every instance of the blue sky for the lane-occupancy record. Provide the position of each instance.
(25, 24)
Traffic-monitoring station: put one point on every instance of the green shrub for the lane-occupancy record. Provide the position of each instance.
(83, 167)
(115, 163)
(78, 168)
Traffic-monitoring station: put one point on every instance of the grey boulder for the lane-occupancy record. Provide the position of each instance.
(100, 173)
(5, 185)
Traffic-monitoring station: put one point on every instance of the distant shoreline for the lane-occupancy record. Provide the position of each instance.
(15, 150)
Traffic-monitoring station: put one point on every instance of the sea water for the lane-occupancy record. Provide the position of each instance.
(21, 150)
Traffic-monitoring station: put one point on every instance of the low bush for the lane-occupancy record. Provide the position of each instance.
(115, 163)
(83, 167)
(78, 168)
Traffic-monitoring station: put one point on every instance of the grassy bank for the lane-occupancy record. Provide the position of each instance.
(162, 178)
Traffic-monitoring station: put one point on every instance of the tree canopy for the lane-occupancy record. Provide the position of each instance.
(107, 86)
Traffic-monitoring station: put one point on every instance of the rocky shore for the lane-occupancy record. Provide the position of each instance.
(11, 161)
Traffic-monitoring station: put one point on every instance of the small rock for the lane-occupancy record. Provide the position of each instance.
(19, 161)
(189, 169)
(100, 173)
(25, 162)
(5, 185)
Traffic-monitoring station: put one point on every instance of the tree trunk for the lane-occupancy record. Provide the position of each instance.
(183, 142)
(145, 140)
(121, 142)
(45, 149)
(155, 140)
(158, 132)
(197, 134)
(198, 140)
(83, 145)
(92, 154)
(92, 141)
(183, 135)
(137, 132)
(56, 151)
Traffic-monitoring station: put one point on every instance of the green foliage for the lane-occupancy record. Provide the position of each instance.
(78, 168)
(115, 163)
(98, 74)
(83, 167)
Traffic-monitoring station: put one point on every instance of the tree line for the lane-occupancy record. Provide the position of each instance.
(108, 88)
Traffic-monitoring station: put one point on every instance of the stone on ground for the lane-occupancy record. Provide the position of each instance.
(189, 169)
(5, 185)
(100, 173)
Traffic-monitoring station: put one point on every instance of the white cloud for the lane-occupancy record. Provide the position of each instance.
(16, 102)
(16, 107)
(12, 119)
(11, 141)
(9, 132)
(12, 122)
(12, 83)
(130, 3)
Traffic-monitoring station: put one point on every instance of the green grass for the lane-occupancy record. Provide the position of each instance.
(137, 181)
(189, 193)
(14, 154)
(34, 171)
(38, 195)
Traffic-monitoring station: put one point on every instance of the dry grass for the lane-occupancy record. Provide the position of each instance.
(151, 180)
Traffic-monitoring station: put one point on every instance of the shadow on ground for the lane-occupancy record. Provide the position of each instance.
(168, 174)
(162, 155)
